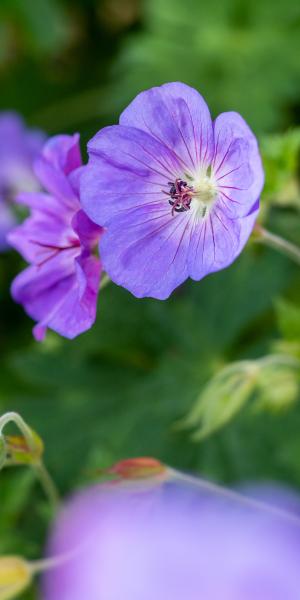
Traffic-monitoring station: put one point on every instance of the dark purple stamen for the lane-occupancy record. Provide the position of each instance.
(180, 195)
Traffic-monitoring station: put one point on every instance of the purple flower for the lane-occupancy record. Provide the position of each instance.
(173, 540)
(178, 193)
(60, 287)
(18, 149)
(7, 222)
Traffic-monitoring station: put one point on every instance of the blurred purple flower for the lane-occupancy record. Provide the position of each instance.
(173, 541)
(60, 287)
(178, 193)
(18, 148)
(7, 222)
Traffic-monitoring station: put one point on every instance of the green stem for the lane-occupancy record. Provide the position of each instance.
(47, 484)
(276, 242)
(38, 465)
(105, 280)
(13, 417)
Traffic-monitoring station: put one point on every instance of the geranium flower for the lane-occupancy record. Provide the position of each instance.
(177, 193)
(18, 148)
(59, 289)
(173, 540)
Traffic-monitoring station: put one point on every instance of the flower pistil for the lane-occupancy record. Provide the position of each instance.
(198, 195)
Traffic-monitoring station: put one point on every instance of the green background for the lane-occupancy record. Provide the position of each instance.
(123, 388)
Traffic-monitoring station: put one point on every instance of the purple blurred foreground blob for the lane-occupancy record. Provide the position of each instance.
(18, 148)
(60, 287)
(173, 541)
(177, 192)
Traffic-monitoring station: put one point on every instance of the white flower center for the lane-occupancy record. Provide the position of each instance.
(205, 193)
(195, 193)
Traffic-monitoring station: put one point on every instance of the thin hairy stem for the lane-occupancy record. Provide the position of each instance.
(13, 417)
(47, 484)
(277, 242)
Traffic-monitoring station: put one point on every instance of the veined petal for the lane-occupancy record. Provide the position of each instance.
(237, 166)
(60, 288)
(87, 231)
(75, 310)
(217, 241)
(177, 116)
(63, 152)
(145, 250)
(37, 286)
(59, 158)
(47, 230)
(40, 202)
(62, 294)
(56, 183)
(159, 156)
(128, 168)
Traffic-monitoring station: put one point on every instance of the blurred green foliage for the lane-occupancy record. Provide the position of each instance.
(273, 381)
(281, 163)
(242, 55)
(123, 388)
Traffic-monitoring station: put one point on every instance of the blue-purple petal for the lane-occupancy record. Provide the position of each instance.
(165, 136)
(217, 242)
(237, 165)
(60, 287)
(146, 251)
(177, 116)
(128, 168)
(62, 295)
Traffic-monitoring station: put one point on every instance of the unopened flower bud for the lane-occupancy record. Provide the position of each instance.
(19, 452)
(15, 576)
(278, 385)
(138, 468)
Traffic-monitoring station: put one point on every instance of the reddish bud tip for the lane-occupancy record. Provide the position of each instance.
(138, 468)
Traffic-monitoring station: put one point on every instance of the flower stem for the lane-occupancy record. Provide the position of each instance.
(105, 280)
(47, 484)
(264, 236)
(36, 463)
(15, 418)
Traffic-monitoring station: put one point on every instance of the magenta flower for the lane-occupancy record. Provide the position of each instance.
(18, 148)
(178, 193)
(174, 541)
(59, 289)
